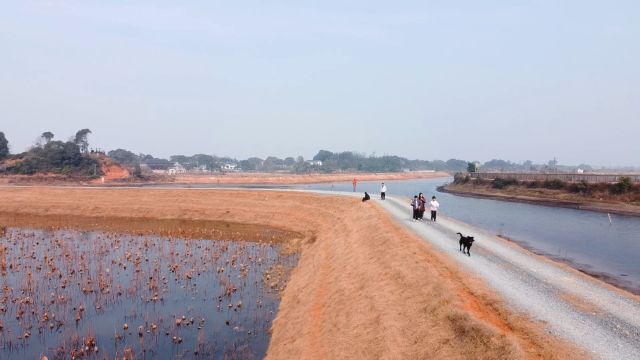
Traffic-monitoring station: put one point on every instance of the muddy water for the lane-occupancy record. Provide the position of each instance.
(96, 295)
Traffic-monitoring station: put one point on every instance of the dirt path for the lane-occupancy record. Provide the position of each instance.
(585, 311)
(364, 287)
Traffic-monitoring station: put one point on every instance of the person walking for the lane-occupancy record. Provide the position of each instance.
(354, 182)
(383, 191)
(415, 205)
(433, 206)
(423, 202)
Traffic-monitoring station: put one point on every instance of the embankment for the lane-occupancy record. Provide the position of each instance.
(241, 178)
(541, 197)
(364, 286)
(118, 176)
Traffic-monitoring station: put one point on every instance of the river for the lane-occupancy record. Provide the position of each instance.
(584, 239)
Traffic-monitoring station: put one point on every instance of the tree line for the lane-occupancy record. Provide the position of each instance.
(70, 157)
(326, 161)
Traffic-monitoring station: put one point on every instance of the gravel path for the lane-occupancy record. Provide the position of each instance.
(586, 312)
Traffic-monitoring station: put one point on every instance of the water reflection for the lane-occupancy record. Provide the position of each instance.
(69, 294)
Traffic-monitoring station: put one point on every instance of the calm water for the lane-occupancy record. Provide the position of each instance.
(583, 238)
(70, 292)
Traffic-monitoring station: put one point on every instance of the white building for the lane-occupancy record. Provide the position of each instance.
(176, 169)
(229, 167)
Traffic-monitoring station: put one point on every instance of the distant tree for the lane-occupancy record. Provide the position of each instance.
(323, 155)
(499, 165)
(180, 159)
(300, 166)
(271, 163)
(456, 165)
(4, 146)
(289, 161)
(251, 164)
(124, 157)
(245, 165)
(81, 140)
(155, 163)
(472, 167)
(207, 161)
(347, 160)
(47, 136)
(256, 163)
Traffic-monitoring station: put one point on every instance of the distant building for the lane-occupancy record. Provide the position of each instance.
(314, 162)
(580, 171)
(176, 169)
(229, 167)
(201, 169)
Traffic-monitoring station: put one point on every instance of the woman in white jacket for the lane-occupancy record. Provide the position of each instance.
(433, 206)
(383, 191)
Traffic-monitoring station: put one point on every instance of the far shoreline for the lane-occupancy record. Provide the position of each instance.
(611, 208)
(239, 178)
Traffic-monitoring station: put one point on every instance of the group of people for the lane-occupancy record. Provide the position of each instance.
(419, 205)
(419, 202)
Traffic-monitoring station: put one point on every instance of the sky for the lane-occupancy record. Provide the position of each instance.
(474, 80)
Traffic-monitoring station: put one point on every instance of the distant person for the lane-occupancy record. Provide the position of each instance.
(366, 197)
(355, 182)
(433, 206)
(422, 202)
(383, 191)
(415, 205)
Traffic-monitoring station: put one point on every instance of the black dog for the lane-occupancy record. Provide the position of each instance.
(465, 243)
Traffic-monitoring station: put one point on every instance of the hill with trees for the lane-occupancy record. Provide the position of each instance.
(68, 158)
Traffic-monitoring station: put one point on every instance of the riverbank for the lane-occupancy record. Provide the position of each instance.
(120, 178)
(291, 179)
(541, 197)
(364, 286)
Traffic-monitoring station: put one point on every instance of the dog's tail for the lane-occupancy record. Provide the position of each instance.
(459, 234)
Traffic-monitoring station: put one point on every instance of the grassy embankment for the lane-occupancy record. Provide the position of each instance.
(364, 287)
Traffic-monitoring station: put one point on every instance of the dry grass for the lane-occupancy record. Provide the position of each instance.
(288, 178)
(363, 287)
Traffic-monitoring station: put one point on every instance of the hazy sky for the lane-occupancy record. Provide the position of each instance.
(423, 79)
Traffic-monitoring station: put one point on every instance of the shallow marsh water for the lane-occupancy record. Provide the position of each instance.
(101, 295)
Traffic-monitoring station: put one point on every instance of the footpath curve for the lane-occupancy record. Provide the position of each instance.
(589, 313)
